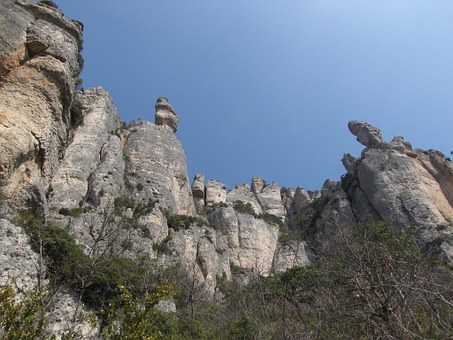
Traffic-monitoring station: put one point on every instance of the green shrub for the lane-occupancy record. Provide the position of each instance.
(137, 318)
(271, 219)
(179, 222)
(98, 281)
(76, 113)
(163, 247)
(21, 318)
(75, 212)
(241, 329)
(66, 259)
(244, 208)
(79, 23)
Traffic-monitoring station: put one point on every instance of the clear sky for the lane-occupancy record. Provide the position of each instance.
(266, 88)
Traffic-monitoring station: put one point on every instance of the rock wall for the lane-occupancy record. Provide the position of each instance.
(39, 62)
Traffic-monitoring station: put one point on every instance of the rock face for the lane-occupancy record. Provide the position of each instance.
(269, 197)
(215, 192)
(17, 260)
(244, 193)
(366, 134)
(251, 241)
(162, 174)
(39, 53)
(403, 186)
(199, 192)
(120, 188)
(84, 154)
(166, 115)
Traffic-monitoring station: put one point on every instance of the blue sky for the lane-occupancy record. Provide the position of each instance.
(266, 88)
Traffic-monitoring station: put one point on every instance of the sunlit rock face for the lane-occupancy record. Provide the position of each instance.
(165, 115)
(403, 186)
(39, 63)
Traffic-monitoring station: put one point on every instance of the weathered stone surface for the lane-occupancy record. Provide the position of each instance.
(39, 50)
(82, 156)
(244, 194)
(301, 199)
(17, 260)
(401, 189)
(349, 163)
(165, 115)
(289, 255)
(366, 134)
(200, 256)
(269, 197)
(215, 192)
(405, 187)
(156, 163)
(251, 241)
(106, 181)
(199, 191)
(66, 315)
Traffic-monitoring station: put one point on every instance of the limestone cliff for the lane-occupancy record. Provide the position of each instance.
(123, 190)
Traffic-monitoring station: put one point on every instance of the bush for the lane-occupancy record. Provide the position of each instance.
(179, 222)
(97, 280)
(271, 219)
(244, 208)
(76, 113)
(137, 318)
(21, 317)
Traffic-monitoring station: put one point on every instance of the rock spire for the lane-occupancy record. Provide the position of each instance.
(165, 115)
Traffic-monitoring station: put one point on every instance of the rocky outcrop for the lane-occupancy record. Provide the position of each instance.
(87, 151)
(162, 174)
(39, 61)
(366, 134)
(403, 186)
(297, 200)
(199, 192)
(251, 241)
(269, 197)
(166, 115)
(293, 253)
(243, 193)
(215, 192)
(18, 262)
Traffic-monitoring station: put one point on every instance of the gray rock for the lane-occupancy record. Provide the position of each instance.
(156, 167)
(366, 134)
(65, 314)
(289, 255)
(165, 115)
(18, 261)
(167, 306)
(269, 197)
(82, 156)
(39, 48)
(215, 192)
(300, 201)
(349, 163)
(243, 193)
(251, 241)
(107, 181)
(199, 192)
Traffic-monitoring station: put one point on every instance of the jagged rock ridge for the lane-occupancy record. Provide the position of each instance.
(119, 187)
